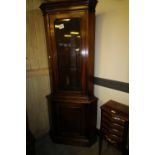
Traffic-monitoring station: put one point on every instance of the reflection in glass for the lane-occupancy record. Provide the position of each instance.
(67, 35)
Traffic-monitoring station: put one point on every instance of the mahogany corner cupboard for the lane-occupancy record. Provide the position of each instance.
(70, 35)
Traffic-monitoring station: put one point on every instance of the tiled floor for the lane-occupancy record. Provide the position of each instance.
(45, 146)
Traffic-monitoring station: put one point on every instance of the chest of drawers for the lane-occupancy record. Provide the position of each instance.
(114, 123)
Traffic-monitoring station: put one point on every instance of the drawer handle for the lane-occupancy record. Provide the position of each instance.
(115, 130)
(110, 140)
(117, 118)
(112, 111)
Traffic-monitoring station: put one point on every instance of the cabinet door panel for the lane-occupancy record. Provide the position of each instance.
(70, 119)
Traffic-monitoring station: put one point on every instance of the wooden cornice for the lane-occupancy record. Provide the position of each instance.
(63, 5)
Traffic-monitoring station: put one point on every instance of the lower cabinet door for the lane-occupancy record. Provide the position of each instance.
(70, 119)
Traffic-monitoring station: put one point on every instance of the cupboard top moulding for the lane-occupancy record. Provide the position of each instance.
(66, 5)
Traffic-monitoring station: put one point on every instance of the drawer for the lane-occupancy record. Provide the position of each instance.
(113, 118)
(110, 111)
(114, 121)
(116, 132)
(114, 138)
(113, 112)
(110, 125)
(118, 120)
(111, 140)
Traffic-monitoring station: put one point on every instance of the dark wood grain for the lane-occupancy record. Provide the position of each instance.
(72, 104)
(68, 5)
(114, 124)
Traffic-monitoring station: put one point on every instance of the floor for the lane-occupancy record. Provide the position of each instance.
(45, 146)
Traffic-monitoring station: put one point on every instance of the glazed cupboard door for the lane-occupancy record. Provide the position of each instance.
(68, 33)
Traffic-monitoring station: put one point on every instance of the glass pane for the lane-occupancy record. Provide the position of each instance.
(67, 33)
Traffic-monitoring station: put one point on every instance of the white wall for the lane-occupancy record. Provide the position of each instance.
(111, 49)
(111, 58)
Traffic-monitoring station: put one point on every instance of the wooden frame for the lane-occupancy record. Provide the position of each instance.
(71, 111)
